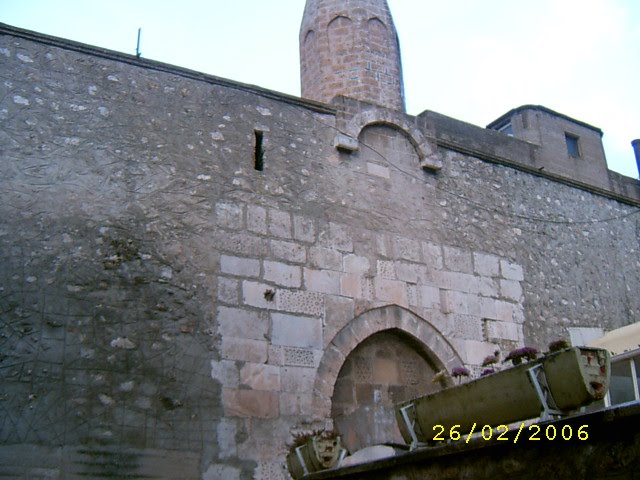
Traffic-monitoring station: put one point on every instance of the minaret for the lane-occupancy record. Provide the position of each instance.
(350, 48)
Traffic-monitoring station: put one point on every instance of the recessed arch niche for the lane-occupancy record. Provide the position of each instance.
(408, 340)
(386, 368)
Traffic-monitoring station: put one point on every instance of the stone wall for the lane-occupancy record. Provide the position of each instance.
(160, 296)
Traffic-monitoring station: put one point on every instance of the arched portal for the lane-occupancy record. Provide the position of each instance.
(387, 368)
(405, 338)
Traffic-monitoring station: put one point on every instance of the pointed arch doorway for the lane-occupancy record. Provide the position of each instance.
(382, 357)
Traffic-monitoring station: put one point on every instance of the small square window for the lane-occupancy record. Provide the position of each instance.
(573, 146)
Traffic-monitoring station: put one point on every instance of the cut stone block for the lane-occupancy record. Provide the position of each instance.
(279, 223)
(259, 295)
(309, 303)
(240, 323)
(325, 258)
(288, 251)
(260, 376)
(256, 219)
(293, 331)
(511, 271)
(283, 274)
(408, 249)
(511, 290)
(432, 254)
(250, 403)
(457, 260)
(486, 265)
(304, 229)
(229, 215)
(322, 281)
(244, 350)
(496, 330)
(239, 266)
(355, 264)
(392, 291)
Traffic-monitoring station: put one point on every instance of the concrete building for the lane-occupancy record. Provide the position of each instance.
(193, 269)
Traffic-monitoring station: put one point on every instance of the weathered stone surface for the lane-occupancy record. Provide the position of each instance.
(151, 280)
(322, 281)
(503, 331)
(250, 403)
(238, 266)
(229, 215)
(511, 271)
(240, 323)
(325, 258)
(243, 349)
(279, 223)
(355, 264)
(486, 265)
(378, 170)
(304, 229)
(259, 295)
(457, 260)
(511, 290)
(283, 274)
(260, 376)
(288, 251)
(295, 403)
(215, 472)
(257, 219)
(351, 285)
(298, 379)
(339, 312)
(392, 291)
(226, 432)
(228, 290)
(408, 249)
(308, 303)
(292, 331)
(225, 372)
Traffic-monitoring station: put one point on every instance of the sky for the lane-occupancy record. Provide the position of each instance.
(469, 59)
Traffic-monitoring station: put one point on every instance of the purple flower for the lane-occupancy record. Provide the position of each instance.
(487, 371)
(490, 360)
(460, 372)
(526, 353)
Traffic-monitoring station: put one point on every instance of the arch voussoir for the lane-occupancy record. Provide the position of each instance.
(391, 317)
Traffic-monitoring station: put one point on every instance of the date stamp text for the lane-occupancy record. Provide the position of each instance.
(531, 433)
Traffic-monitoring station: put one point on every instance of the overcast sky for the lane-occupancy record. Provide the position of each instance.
(470, 59)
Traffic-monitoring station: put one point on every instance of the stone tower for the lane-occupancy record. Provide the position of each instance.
(350, 47)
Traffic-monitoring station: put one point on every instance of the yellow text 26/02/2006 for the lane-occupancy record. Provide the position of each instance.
(532, 433)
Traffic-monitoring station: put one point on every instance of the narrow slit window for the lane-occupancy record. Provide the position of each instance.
(573, 145)
(258, 153)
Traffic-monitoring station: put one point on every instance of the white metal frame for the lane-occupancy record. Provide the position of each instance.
(634, 379)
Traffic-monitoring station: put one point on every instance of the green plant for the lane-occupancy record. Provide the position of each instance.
(558, 345)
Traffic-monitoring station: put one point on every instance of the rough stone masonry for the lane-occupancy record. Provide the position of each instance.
(170, 310)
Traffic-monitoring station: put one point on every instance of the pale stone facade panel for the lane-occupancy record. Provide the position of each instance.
(283, 274)
(240, 323)
(239, 266)
(322, 281)
(242, 349)
(288, 251)
(289, 330)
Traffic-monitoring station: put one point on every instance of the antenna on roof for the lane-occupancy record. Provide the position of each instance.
(138, 54)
